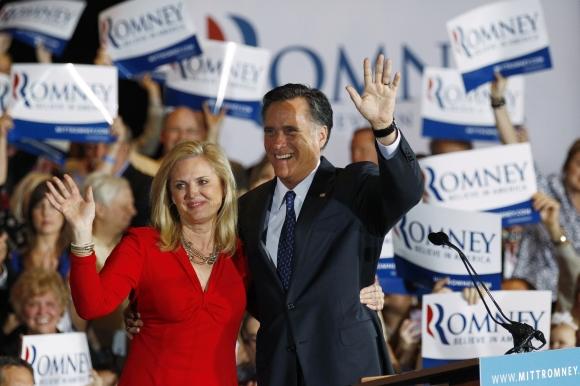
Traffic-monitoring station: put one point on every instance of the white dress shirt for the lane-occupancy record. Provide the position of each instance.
(277, 213)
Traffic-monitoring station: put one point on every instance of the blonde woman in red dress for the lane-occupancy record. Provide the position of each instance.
(186, 273)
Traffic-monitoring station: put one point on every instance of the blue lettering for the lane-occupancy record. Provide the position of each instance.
(444, 54)
(475, 327)
(417, 232)
(535, 320)
(310, 54)
(488, 241)
(123, 29)
(345, 66)
(240, 73)
(47, 14)
(453, 179)
(43, 365)
(509, 173)
(480, 37)
(458, 327)
(69, 92)
(409, 58)
(77, 363)
(456, 240)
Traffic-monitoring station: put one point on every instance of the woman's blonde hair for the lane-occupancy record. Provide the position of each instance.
(36, 282)
(164, 215)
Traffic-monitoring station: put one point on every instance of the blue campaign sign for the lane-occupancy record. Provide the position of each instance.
(561, 367)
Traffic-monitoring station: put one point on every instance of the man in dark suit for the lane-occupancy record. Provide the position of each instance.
(312, 235)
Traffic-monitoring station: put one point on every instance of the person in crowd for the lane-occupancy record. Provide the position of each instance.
(442, 146)
(15, 371)
(47, 245)
(114, 210)
(247, 375)
(246, 351)
(403, 329)
(247, 341)
(566, 255)
(543, 250)
(39, 299)
(305, 232)
(362, 146)
(563, 331)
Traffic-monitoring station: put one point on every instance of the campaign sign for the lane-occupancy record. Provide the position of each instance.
(142, 35)
(453, 330)
(509, 37)
(63, 101)
(498, 179)
(477, 234)
(386, 271)
(542, 368)
(226, 75)
(50, 22)
(58, 359)
(4, 92)
(451, 113)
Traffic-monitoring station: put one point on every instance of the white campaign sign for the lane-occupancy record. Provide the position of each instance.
(451, 113)
(498, 179)
(508, 37)
(142, 35)
(50, 22)
(454, 330)
(226, 74)
(478, 235)
(58, 359)
(63, 101)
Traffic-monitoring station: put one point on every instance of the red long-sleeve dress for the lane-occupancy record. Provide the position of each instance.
(189, 335)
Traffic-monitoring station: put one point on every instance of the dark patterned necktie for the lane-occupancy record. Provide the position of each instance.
(286, 244)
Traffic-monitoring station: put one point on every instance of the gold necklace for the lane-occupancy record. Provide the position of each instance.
(196, 256)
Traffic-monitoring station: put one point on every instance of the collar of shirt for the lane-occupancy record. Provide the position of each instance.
(301, 191)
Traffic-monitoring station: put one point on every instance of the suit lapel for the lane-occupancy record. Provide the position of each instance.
(263, 204)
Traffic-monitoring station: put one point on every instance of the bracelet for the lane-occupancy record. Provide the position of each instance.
(381, 133)
(497, 102)
(82, 249)
(563, 239)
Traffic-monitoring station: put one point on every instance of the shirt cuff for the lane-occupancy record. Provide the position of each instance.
(389, 151)
(4, 277)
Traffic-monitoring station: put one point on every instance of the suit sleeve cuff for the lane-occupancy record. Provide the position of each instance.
(389, 151)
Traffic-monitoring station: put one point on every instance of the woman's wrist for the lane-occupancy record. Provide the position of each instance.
(82, 250)
(557, 235)
(81, 236)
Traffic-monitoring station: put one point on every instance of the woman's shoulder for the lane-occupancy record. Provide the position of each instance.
(240, 260)
(143, 234)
